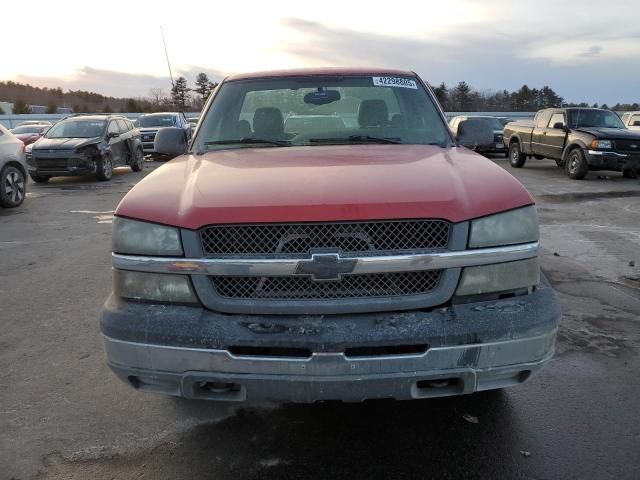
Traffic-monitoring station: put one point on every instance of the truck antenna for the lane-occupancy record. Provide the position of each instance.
(167, 56)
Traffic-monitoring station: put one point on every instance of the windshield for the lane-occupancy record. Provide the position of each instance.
(28, 129)
(321, 111)
(594, 118)
(156, 121)
(77, 128)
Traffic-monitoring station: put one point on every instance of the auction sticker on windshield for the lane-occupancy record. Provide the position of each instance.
(394, 82)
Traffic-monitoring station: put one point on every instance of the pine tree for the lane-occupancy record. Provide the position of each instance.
(52, 108)
(203, 86)
(180, 93)
(20, 107)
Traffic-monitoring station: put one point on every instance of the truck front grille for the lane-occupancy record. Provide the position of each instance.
(628, 146)
(52, 164)
(299, 239)
(350, 286)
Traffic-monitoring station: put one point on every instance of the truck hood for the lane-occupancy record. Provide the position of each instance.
(323, 183)
(63, 143)
(613, 133)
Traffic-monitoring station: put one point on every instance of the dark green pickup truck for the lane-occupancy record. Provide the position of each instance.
(578, 139)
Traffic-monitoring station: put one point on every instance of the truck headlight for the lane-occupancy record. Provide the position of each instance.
(508, 228)
(499, 277)
(602, 144)
(142, 238)
(156, 287)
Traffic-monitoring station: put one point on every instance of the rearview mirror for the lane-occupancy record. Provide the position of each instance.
(474, 132)
(170, 141)
(322, 97)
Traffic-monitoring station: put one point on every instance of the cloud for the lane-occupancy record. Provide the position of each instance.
(488, 58)
(592, 52)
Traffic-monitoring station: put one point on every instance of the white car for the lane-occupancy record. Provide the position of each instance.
(631, 120)
(13, 170)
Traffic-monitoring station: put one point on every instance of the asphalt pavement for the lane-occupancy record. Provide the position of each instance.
(64, 415)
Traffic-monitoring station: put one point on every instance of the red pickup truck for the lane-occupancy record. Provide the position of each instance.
(325, 237)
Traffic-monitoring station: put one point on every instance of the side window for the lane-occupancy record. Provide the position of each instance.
(129, 124)
(556, 118)
(624, 118)
(123, 126)
(113, 127)
(634, 120)
(542, 118)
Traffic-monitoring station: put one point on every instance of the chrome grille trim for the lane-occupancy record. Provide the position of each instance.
(260, 267)
(350, 238)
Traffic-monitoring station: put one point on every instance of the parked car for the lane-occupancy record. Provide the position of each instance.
(373, 261)
(504, 120)
(149, 125)
(193, 121)
(85, 144)
(496, 145)
(28, 134)
(631, 120)
(34, 122)
(578, 139)
(13, 170)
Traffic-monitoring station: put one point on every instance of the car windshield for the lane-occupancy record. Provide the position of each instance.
(156, 121)
(28, 129)
(594, 118)
(77, 128)
(321, 110)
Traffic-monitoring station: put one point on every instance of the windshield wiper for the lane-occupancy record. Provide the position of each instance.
(250, 141)
(356, 139)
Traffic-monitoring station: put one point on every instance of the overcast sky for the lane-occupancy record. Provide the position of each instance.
(585, 50)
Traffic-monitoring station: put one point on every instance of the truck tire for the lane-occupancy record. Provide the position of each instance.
(576, 165)
(104, 168)
(137, 162)
(39, 178)
(516, 157)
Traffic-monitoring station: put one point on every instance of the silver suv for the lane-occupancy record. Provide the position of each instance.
(13, 170)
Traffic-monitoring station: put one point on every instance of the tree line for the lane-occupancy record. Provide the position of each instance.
(463, 98)
(181, 96)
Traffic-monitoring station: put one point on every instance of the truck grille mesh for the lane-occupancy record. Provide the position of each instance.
(351, 286)
(298, 239)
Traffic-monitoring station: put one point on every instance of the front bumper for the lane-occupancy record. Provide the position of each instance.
(61, 165)
(453, 350)
(608, 160)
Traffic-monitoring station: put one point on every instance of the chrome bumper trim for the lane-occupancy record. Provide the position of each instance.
(289, 267)
(607, 153)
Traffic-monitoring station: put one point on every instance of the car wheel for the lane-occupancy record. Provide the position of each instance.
(138, 161)
(104, 168)
(576, 165)
(12, 187)
(516, 157)
(629, 173)
(39, 178)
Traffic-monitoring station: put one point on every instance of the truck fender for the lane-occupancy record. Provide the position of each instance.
(571, 146)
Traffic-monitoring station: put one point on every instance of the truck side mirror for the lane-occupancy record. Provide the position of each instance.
(473, 132)
(558, 125)
(170, 141)
(636, 123)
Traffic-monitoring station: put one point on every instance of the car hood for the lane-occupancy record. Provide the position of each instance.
(323, 183)
(63, 143)
(620, 133)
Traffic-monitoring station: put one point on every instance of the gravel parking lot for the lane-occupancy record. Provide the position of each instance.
(64, 415)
